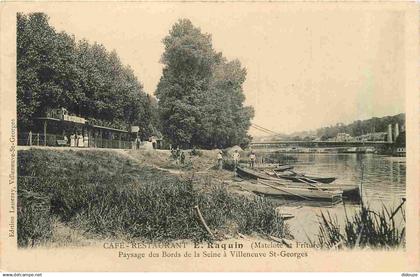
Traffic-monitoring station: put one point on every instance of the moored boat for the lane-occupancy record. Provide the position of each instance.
(302, 178)
(283, 167)
(349, 190)
(248, 173)
(298, 193)
(301, 182)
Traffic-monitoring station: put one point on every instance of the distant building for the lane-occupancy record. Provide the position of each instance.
(399, 145)
(343, 137)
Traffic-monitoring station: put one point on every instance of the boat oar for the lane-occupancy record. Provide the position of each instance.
(277, 188)
(309, 183)
(303, 181)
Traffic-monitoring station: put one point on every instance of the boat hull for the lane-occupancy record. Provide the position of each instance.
(309, 194)
(298, 179)
(282, 168)
(248, 173)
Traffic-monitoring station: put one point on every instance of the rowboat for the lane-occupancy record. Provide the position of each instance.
(348, 190)
(283, 167)
(248, 173)
(273, 166)
(302, 178)
(300, 193)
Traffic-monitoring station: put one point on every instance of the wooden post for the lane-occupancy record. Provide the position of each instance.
(100, 135)
(89, 138)
(119, 140)
(30, 138)
(45, 133)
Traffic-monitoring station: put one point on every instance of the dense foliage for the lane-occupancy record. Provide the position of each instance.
(54, 70)
(200, 92)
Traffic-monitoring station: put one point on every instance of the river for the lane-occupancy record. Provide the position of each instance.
(383, 184)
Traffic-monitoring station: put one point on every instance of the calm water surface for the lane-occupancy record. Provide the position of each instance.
(383, 184)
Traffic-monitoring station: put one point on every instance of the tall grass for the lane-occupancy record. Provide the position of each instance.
(366, 228)
(109, 195)
(34, 222)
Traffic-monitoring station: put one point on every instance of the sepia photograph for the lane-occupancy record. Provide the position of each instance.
(168, 132)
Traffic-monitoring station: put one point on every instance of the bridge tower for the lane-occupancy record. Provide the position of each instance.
(389, 137)
(396, 132)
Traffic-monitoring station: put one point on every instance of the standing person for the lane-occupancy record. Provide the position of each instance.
(72, 140)
(182, 158)
(154, 142)
(86, 140)
(236, 156)
(178, 154)
(66, 140)
(80, 140)
(137, 143)
(220, 160)
(252, 159)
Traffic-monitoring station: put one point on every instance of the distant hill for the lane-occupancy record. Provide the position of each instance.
(269, 138)
(357, 128)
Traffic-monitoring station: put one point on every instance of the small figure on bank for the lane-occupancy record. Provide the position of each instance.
(252, 159)
(86, 140)
(177, 154)
(137, 143)
(154, 143)
(66, 140)
(72, 140)
(80, 141)
(173, 153)
(182, 158)
(236, 156)
(220, 160)
(193, 151)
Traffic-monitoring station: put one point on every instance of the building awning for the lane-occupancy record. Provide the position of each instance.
(82, 124)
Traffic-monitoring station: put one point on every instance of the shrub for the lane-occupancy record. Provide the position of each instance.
(34, 225)
(366, 228)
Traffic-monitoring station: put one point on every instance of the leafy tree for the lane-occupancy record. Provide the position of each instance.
(360, 127)
(46, 68)
(53, 71)
(200, 92)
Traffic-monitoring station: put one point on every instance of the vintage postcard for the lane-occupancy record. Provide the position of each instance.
(209, 136)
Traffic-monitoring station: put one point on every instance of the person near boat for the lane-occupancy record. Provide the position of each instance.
(177, 154)
(182, 157)
(219, 160)
(252, 159)
(236, 156)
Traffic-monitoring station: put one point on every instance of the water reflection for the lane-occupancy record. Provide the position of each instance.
(383, 183)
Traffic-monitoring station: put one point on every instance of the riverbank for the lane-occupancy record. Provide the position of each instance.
(78, 197)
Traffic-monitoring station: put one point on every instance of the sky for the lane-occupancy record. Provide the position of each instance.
(306, 67)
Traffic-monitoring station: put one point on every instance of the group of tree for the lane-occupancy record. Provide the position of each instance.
(356, 128)
(54, 70)
(200, 97)
(200, 92)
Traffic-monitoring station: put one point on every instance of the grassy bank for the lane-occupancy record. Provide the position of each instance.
(106, 194)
